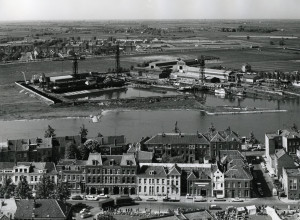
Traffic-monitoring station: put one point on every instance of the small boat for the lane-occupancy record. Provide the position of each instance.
(241, 94)
(184, 88)
(220, 91)
(296, 83)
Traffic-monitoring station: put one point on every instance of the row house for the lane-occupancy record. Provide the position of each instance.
(72, 171)
(159, 180)
(36, 149)
(291, 182)
(109, 174)
(31, 171)
(192, 147)
(6, 171)
(199, 183)
(112, 145)
(287, 139)
(223, 140)
(280, 160)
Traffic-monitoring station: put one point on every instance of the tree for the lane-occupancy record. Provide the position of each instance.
(83, 152)
(70, 151)
(281, 42)
(92, 145)
(45, 189)
(62, 192)
(23, 190)
(49, 132)
(83, 133)
(7, 188)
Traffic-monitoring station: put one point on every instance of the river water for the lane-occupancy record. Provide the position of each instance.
(137, 124)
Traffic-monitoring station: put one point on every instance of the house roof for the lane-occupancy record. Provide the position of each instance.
(292, 171)
(280, 153)
(115, 158)
(144, 156)
(174, 170)
(128, 158)
(238, 172)
(177, 138)
(42, 208)
(35, 167)
(94, 157)
(225, 135)
(158, 171)
(6, 165)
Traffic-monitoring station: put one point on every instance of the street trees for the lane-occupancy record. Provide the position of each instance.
(7, 188)
(83, 152)
(22, 190)
(45, 189)
(49, 132)
(71, 151)
(83, 133)
(62, 192)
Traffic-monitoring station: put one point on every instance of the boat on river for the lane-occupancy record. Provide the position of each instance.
(220, 91)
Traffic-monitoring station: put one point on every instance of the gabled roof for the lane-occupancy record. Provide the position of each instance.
(225, 135)
(281, 153)
(175, 170)
(158, 171)
(42, 208)
(177, 138)
(237, 172)
(203, 174)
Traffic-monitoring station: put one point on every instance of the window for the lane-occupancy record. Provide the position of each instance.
(16, 170)
(16, 178)
(293, 184)
(246, 193)
(140, 189)
(168, 182)
(31, 178)
(25, 170)
(140, 181)
(145, 189)
(162, 181)
(157, 189)
(246, 184)
(35, 178)
(157, 181)
(239, 184)
(149, 181)
(163, 189)
(145, 181)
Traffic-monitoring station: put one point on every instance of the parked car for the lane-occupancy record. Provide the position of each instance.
(188, 196)
(199, 199)
(102, 196)
(92, 197)
(237, 199)
(86, 215)
(151, 199)
(77, 197)
(85, 210)
(137, 198)
(214, 207)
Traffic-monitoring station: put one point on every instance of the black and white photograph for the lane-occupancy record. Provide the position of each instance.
(150, 109)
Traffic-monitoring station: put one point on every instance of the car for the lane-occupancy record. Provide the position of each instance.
(86, 215)
(151, 199)
(237, 199)
(85, 210)
(188, 196)
(102, 196)
(137, 198)
(92, 197)
(199, 199)
(77, 197)
(214, 207)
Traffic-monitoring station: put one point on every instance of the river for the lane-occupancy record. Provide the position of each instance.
(140, 123)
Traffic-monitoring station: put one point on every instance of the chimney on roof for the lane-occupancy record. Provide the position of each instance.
(279, 132)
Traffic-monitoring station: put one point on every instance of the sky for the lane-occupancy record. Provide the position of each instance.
(15, 10)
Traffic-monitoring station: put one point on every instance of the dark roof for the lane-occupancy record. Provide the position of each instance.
(177, 138)
(159, 171)
(44, 208)
(238, 172)
(144, 156)
(225, 135)
(36, 166)
(107, 158)
(6, 165)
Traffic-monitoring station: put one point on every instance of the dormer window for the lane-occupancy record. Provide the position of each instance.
(152, 172)
(95, 162)
(111, 162)
(25, 170)
(129, 162)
